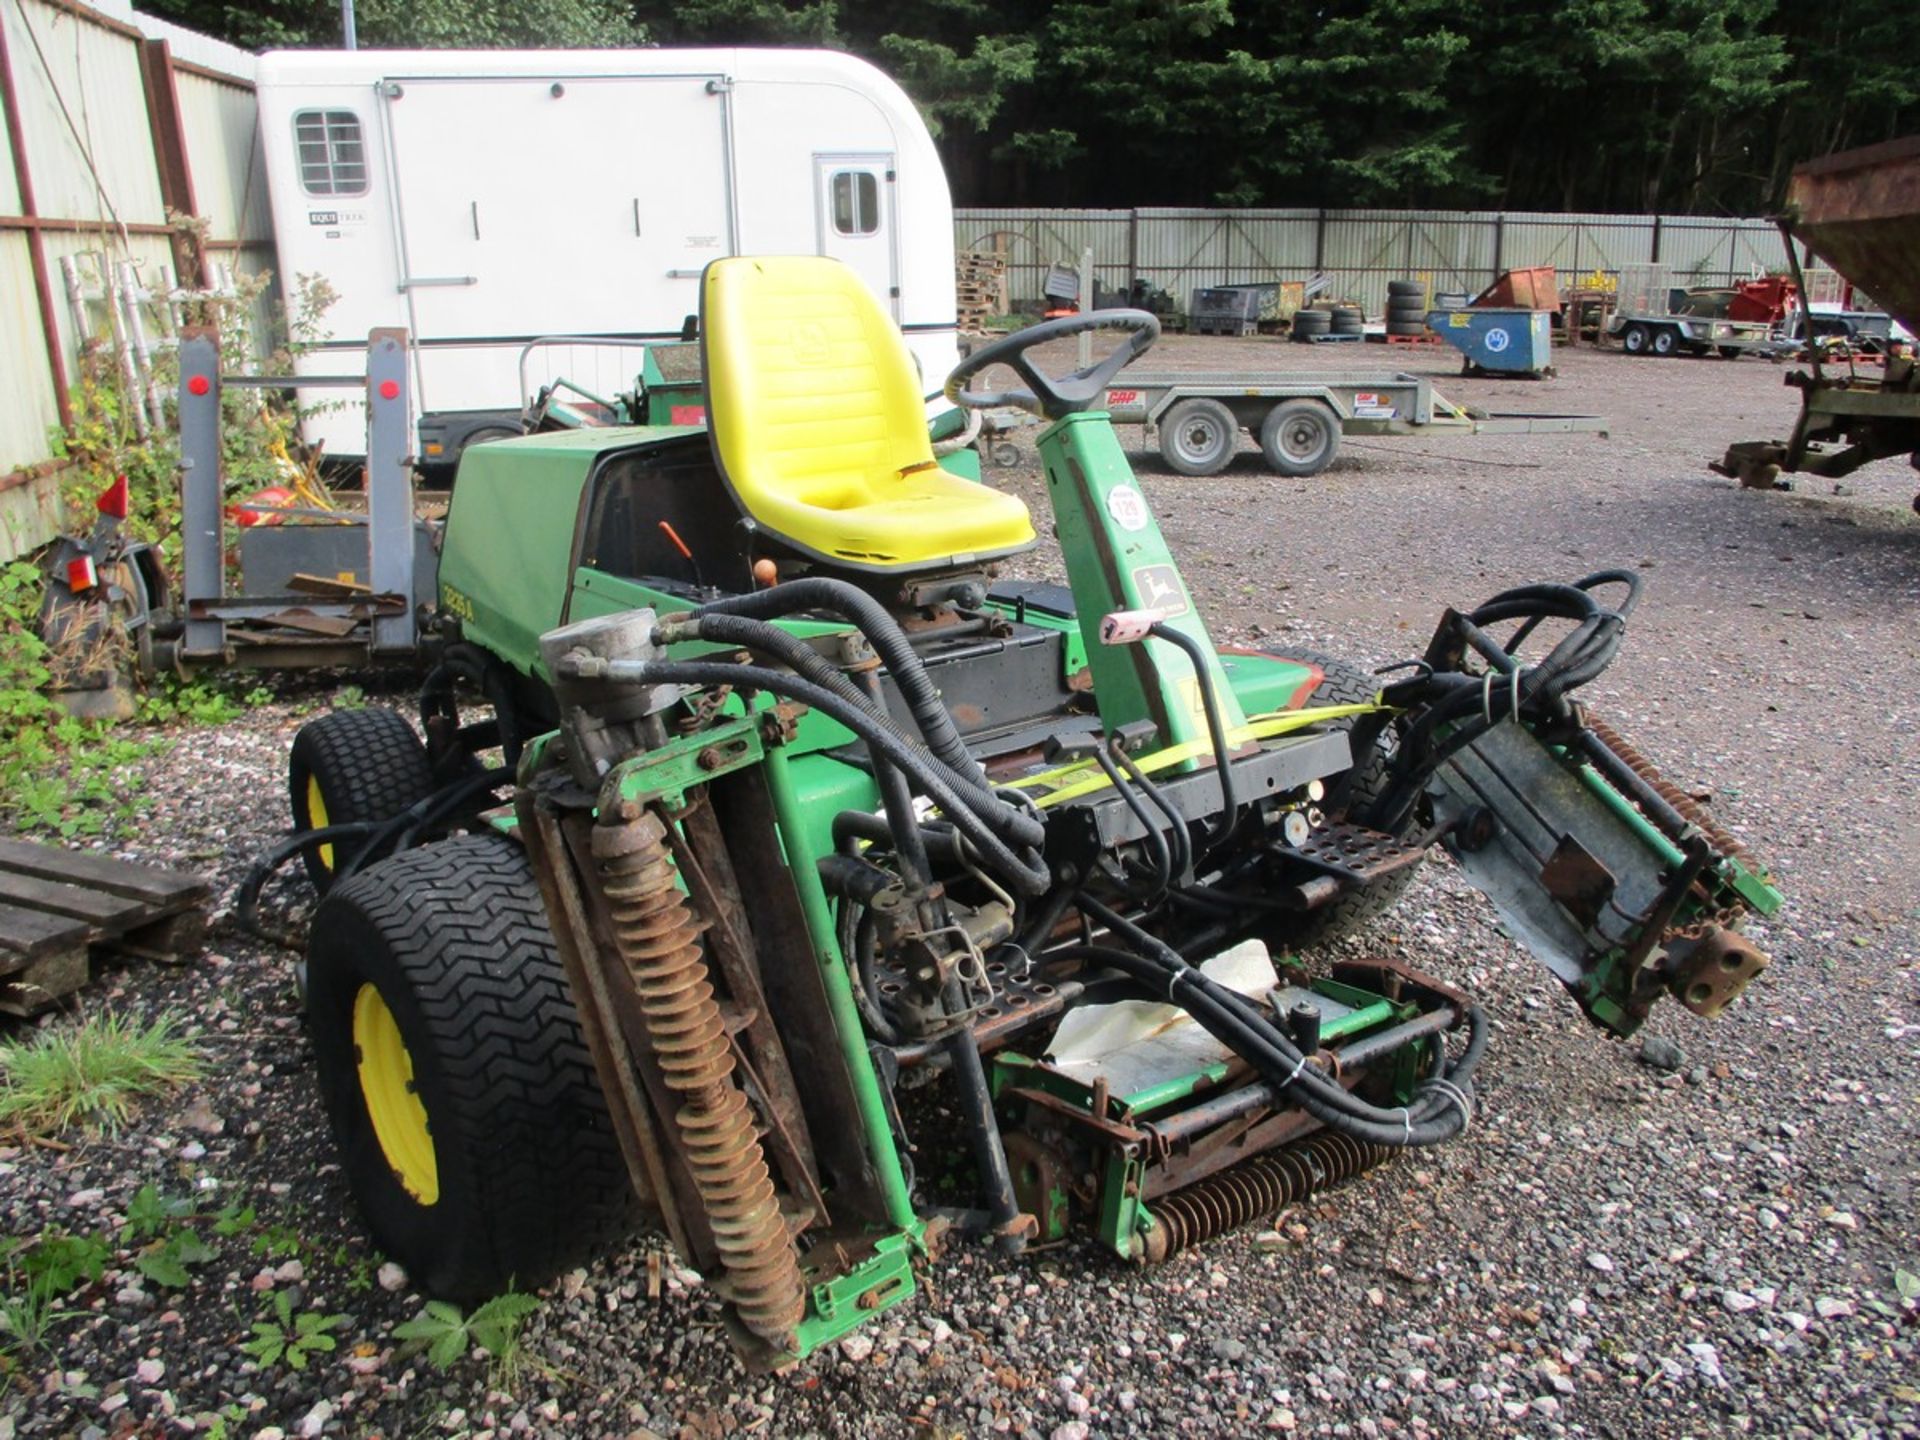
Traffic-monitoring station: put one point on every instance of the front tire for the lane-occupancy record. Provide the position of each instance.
(1198, 437)
(1635, 339)
(350, 767)
(1664, 342)
(454, 1074)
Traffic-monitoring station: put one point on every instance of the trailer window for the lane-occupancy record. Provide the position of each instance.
(333, 159)
(856, 202)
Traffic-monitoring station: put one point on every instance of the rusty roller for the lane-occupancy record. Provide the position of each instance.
(1689, 808)
(658, 938)
(1256, 1187)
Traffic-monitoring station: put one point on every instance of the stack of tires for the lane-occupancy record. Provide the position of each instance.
(1406, 307)
(1347, 320)
(1311, 324)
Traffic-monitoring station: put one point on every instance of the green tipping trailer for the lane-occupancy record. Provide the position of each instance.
(1860, 212)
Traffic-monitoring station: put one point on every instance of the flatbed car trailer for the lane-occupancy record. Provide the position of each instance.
(1300, 418)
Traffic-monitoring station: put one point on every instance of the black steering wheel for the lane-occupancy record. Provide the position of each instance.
(1052, 398)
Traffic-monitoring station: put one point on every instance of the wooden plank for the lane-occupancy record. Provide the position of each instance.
(332, 626)
(106, 912)
(33, 933)
(43, 982)
(327, 585)
(166, 889)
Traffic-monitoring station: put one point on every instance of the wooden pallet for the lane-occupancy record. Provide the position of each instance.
(1427, 339)
(56, 906)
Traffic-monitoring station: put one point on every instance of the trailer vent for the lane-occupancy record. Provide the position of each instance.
(333, 159)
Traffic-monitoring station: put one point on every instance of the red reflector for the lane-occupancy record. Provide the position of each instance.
(198, 385)
(113, 499)
(81, 575)
(389, 389)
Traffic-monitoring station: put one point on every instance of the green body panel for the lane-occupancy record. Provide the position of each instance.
(1263, 683)
(1117, 559)
(508, 549)
(800, 820)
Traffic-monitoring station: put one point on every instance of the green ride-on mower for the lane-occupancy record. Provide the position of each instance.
(780, 805)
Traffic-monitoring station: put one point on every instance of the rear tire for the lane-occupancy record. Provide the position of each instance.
(1663, 341)
(349, 767)
(1346, 684)
(1299, 437)
(454, 1074)
(1198, 437)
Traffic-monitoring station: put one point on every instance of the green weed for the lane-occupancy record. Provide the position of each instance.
(90, 1074)
(295, 1339)
(40, 1273)
(493, 1327)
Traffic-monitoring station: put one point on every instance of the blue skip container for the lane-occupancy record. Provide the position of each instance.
(1505, 342)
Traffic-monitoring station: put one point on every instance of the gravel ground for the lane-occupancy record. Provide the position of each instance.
(1615, 1249)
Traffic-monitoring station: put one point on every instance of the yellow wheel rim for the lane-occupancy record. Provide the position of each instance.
(393, 1102)
(317, 817)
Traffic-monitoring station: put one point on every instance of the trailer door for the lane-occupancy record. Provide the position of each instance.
(856, 222)
(532, 206)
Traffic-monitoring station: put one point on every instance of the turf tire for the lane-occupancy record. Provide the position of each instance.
(530, 1177)
(369, 766)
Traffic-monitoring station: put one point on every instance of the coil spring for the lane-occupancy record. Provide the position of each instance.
(658, 939)
(1255, 1188)
(1689, 808)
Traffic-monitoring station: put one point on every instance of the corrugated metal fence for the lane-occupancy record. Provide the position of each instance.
(1360, 250)
(111, 121)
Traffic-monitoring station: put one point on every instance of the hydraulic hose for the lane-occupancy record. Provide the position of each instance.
(1156, 842)
(1442, 1113)
(981, 818)
(1216, 730)
(887, 639)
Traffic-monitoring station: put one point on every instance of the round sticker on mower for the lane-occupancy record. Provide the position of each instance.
(1128, 507)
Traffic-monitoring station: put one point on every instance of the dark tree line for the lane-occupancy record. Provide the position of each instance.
(1695, 106)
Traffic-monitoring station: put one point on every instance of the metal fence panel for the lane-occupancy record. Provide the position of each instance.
(1181, 250)
(223, 148)
(9, 185)
(83, 110)
(27, 408)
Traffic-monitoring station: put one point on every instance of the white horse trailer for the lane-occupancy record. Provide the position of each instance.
(486, 199)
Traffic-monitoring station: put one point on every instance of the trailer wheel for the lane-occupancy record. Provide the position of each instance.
(1635, 339)
(453, 1072)
(1198, 437)
(1343, 683)
(1664, 340)
(1300, 437)
(352, 766)
(1728, 352)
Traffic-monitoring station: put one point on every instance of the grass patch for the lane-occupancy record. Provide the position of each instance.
(91, 1074)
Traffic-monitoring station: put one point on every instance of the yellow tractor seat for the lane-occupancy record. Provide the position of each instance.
(819, 428)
